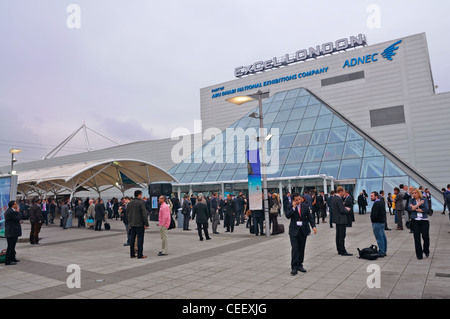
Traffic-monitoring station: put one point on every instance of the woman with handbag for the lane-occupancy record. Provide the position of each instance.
(274, 210)
(420, 224)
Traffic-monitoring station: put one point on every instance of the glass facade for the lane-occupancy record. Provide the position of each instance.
(312, 140)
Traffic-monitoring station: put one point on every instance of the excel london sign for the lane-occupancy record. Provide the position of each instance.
(302, 55)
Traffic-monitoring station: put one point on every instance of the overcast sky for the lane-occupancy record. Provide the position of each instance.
(134, 69)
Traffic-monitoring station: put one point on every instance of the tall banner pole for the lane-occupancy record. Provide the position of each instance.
(254, 180)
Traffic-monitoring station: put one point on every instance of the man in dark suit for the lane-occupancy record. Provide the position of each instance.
(65, 213)
(348, 203)
(52, 210)
(13, 230)
(322, 201)
(383, 202)
(214, 211)
(186, 211)
(138, 223)
(175, 205)
(240, 209)
(299, 230)
(200, 211)
(230, 213)
(329, 199)
(221, 206)
(99, 214)
(340, 219)
(36, 220)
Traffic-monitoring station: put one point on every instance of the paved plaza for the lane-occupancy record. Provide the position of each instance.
(231, 265)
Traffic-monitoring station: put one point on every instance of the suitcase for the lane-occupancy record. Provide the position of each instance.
(107, 226)
(280, 229)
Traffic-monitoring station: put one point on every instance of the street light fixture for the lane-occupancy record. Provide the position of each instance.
(13, 159)
(259, 96)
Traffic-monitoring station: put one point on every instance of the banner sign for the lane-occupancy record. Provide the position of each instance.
(5, 192)
(254, 180)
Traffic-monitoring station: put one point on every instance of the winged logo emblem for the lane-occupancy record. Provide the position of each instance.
(390, 51)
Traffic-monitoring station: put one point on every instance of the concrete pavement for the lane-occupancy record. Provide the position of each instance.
(231, 265)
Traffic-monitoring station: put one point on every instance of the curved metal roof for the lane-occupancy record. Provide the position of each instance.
(95, 175)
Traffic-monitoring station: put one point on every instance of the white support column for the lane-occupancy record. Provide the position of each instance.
(332, 184)
(223, 190)
(179, 193)
(289, 186)
(280, 187)
(325, 187)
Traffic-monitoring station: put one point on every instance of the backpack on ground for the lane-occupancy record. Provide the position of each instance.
(370, 253)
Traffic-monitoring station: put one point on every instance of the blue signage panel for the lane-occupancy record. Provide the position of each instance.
(254, 180)
(5, 195)
(387, 54)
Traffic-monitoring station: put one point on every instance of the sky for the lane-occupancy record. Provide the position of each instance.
(132, 70)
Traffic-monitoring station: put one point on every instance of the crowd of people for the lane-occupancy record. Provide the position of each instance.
(411, 207)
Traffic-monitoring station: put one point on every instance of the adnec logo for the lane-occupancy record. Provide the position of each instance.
(387, 54)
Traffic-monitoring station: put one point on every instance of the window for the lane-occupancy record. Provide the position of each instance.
(333, 152)
(330, 168)
(278, 155)
(309, 169)
(372, 167)
(319, 137)
(324, 121)
(283, 116)
(288, 104)
(287, 140)
(343, 78)
(240, 174)
(269, 118)
(312, 110)
(314, 153)
(302, 139)
(337, 135)
(392, 170)
(297, 113)
(227, 175)
(293, 93)
(350, 169)
(353, 149)
(387, 116)
(291, 127)
(291, 170)
(307, 124)
(369, 150)
(274, 106)
(296, 155)
(302, 101)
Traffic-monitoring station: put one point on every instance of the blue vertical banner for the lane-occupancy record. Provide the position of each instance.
(5, 191)
(254, 180)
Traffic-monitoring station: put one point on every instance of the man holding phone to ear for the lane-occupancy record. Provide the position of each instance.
(299, 230)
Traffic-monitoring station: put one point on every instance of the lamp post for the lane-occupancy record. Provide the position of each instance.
(259, 96)
(13, 159)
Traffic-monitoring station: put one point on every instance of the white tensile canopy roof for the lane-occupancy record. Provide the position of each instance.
(97, 176)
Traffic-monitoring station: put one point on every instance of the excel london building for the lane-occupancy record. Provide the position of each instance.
(339, 113)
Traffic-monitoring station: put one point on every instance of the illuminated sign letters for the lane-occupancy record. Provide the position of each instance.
(301, 55)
